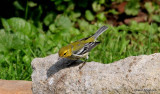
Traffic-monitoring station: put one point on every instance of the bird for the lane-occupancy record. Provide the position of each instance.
(81, 48)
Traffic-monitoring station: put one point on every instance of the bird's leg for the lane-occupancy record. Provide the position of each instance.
(84, 62)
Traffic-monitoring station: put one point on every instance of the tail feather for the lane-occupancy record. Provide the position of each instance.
(99, 32)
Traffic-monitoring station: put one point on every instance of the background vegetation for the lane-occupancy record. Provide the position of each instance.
(30, 29)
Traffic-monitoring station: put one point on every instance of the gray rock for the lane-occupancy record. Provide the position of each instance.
(135, 74)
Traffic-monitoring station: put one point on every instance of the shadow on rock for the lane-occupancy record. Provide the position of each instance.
(61, 64)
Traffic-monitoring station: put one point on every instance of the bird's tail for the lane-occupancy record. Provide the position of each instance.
(99, 32)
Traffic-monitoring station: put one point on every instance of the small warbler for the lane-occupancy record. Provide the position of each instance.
(81, 48)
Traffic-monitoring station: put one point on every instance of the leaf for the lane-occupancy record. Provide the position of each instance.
(48, 19)
(74, 16)
(149, 7)
(138, 26)
(5, 24)
(101, 16)
(18, 5)
(9, 42)
(70, 8)
(74, 31)
(52, 27)
(26, 59)
(20, 25)
(83, 25)
(96, 7)
(63, 22)
(132, 7)
(89, 16)
(102, 1)
(61, 8)
(156, 18)
(113, 11)
(32, 4)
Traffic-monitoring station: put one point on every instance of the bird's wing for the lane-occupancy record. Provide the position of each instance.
(87, 47)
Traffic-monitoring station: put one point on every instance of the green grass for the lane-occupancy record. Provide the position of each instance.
(21, 43)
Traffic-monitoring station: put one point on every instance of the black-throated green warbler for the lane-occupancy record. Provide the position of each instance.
(81, 48)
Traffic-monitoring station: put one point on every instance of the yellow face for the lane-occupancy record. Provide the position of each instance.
(65, 52)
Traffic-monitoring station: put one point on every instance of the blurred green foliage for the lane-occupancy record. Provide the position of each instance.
(132, 7)
(38, 28)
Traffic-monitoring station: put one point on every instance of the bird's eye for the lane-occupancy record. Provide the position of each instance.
(64, 53)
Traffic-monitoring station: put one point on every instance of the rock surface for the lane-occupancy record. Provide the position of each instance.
(135, 74)
(15, 87)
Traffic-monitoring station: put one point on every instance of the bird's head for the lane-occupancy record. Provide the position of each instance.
(65, 52)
